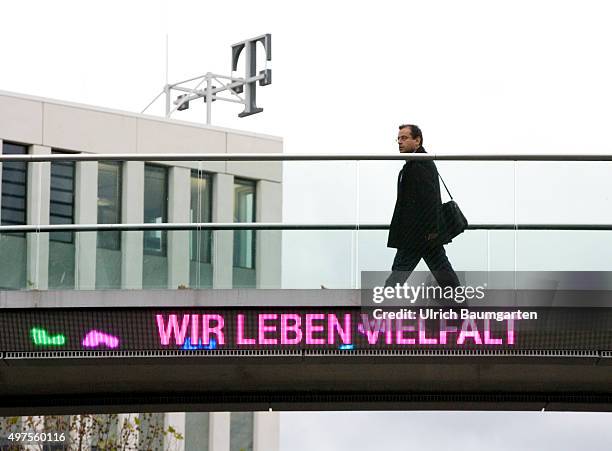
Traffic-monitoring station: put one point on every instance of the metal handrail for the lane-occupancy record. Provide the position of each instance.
(270, 226)
(286, 157)
(299, 157)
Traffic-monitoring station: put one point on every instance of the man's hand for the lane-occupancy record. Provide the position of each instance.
(431, 236)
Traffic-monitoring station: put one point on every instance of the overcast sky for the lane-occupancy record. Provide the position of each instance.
(478, 76)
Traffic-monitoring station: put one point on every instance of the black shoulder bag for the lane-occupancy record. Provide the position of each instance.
(452, 219)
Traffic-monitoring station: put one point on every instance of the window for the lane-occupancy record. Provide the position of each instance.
(201, 211)
(244, 211)
(61, 207)
(14, 212)
(14, 186)
(109, 203)
(155, 208)
(61, 211)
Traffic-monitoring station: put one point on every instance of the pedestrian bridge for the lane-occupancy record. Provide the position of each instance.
(289, 324)
(214, 350)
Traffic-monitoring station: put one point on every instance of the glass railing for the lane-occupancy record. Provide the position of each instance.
(331, 259)
(523, 215)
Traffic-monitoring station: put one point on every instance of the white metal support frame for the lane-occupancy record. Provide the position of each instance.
(233, 85)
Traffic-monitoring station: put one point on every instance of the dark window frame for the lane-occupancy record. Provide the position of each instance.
(63, 237)
(163, 252)
(200, 174)
(23, 167)
(116, 233)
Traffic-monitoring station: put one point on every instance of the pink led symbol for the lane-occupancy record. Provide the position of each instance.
(94, 338)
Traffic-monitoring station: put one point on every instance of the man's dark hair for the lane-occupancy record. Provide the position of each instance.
(415, 131)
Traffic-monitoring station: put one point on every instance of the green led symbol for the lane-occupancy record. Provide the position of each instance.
(42, 338)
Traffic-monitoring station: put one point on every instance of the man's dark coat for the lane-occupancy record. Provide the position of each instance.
(417, 208)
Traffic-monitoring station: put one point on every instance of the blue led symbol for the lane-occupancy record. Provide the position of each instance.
(187, 346)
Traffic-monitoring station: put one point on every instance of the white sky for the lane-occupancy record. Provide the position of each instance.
(478, 76)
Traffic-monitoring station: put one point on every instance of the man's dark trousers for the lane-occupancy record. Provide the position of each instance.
(435, 257)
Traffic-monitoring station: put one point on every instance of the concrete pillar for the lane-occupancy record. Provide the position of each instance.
(269, 208)
(179, 202)
(39, 187)
(86, 212)
(219, 438)
(223, 240)
(132, 212)
(266, 431)
(177, 421)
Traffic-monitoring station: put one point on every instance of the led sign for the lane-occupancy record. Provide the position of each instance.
(267, 328)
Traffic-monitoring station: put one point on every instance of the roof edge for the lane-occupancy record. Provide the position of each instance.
(138, 115)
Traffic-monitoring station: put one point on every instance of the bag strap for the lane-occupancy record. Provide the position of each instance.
(445, 187)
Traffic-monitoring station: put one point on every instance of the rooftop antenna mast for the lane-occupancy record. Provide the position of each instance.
(241, 90)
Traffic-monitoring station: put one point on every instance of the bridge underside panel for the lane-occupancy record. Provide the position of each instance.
(81, 385)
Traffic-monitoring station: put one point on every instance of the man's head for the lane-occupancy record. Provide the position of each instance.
(409, 138)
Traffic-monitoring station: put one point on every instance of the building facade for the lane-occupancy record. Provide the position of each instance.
(137, 192)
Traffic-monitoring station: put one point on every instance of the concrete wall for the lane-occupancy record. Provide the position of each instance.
(83, 128)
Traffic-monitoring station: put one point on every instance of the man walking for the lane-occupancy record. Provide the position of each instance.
(415, 227)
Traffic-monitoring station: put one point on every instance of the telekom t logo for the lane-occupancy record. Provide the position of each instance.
(264, 77)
